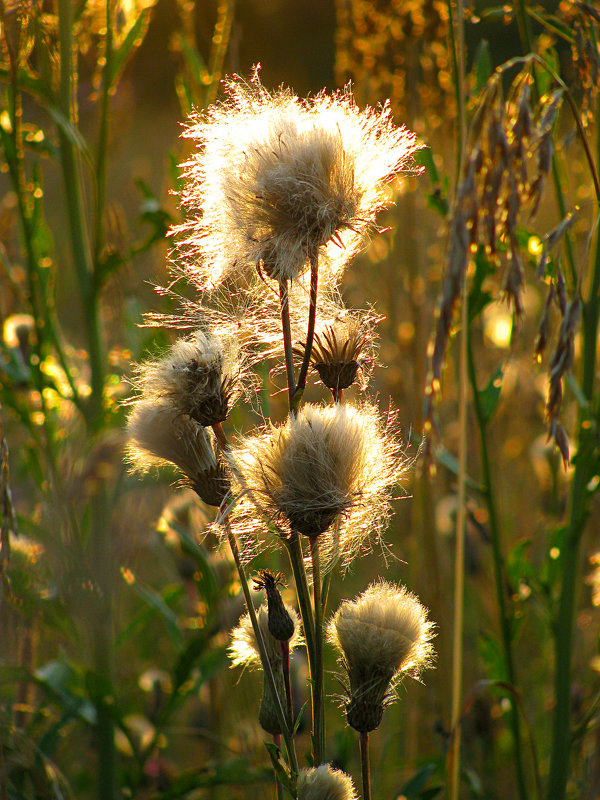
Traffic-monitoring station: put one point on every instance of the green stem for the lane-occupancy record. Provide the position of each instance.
(505, 622)
(365, 766)
(103, 139)
(570, 555)
(296, 556)
(79, 243)
(318, 698)
(278, 785)
(268, 672)
(285, 660)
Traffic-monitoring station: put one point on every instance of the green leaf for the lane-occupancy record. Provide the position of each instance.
(490, 396)
(491, 655)
(133, 40)
(437, 199)
(413, 788)
(157, 602)
(482, 65)
(479, 299)
(447, 460)
(280, 767)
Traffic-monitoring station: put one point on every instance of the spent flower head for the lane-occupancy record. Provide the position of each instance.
(201, 376)
(324, 783)
(381, 636)
(159, 433)
(277, 181)
(327, 470)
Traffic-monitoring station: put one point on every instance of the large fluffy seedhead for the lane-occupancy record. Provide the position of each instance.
(381, 635)
(159, 433)
(243, 650)
(326, 472)
(278, 181)
(199, 376)
(324, 783)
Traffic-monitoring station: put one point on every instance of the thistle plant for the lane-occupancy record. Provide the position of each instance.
(280, 195)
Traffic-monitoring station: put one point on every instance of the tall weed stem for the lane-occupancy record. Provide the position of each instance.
(318, 698)
(365, 766)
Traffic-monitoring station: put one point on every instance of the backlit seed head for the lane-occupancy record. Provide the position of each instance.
(381, 636)
(243, 650)
(325, 465)
(278, 181)
(158, 433)
(324, 783)
(199, 376)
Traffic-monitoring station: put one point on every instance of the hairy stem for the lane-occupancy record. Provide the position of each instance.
(365, 766)
(284, 302)
(318, 699)
(312, 315)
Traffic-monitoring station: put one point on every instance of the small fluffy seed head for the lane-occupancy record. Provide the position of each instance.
(278, 181)
(199, 376)
(381, 636)
(324, 783)
(158, 433)
(243, 649)
(328, 470)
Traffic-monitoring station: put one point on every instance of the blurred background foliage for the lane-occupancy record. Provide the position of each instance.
(114, 609)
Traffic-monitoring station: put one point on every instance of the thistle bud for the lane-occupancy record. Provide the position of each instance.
(281, 624)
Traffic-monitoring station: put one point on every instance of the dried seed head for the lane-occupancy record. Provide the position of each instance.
(337, 350)
(243, 650)
(324, 783)
(381, 636)
(199, 376)
(278, 181)
(159, 433)
(281, 625)
(327, 464)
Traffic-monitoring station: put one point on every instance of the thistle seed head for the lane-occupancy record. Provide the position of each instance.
(278, 181)
(327, 464)
(199, 376)
(324, 783)
(381, 636)
(158, 433)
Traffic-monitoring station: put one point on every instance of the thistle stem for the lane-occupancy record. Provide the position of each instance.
(365, 766)
(268, 672)
(285, 658)
(284, 302)
(278, 786)
(297, 563)
(318, 704)
(310, 333)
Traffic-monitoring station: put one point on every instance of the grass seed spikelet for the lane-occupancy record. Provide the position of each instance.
(278, 181)
(324, 783)
(381, 636)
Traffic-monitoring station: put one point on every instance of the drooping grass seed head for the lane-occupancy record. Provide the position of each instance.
(159, 433)
(200, 376)
(381, 636)
(281, 624)
(326, 465)
(324, 783)
(278, 181)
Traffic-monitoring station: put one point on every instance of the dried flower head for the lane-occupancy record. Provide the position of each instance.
(281, 625)
(325, 465)
(278, 181)
(200, 377)
(381, 636)
(324, 783)
(243, 650)
(159, 433)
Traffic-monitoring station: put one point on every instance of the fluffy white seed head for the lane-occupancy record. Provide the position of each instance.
(327, 472)
(243, 650)
(158, 433)
(324, 783)
(381, 635)
(200, 376)
(278, 181)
